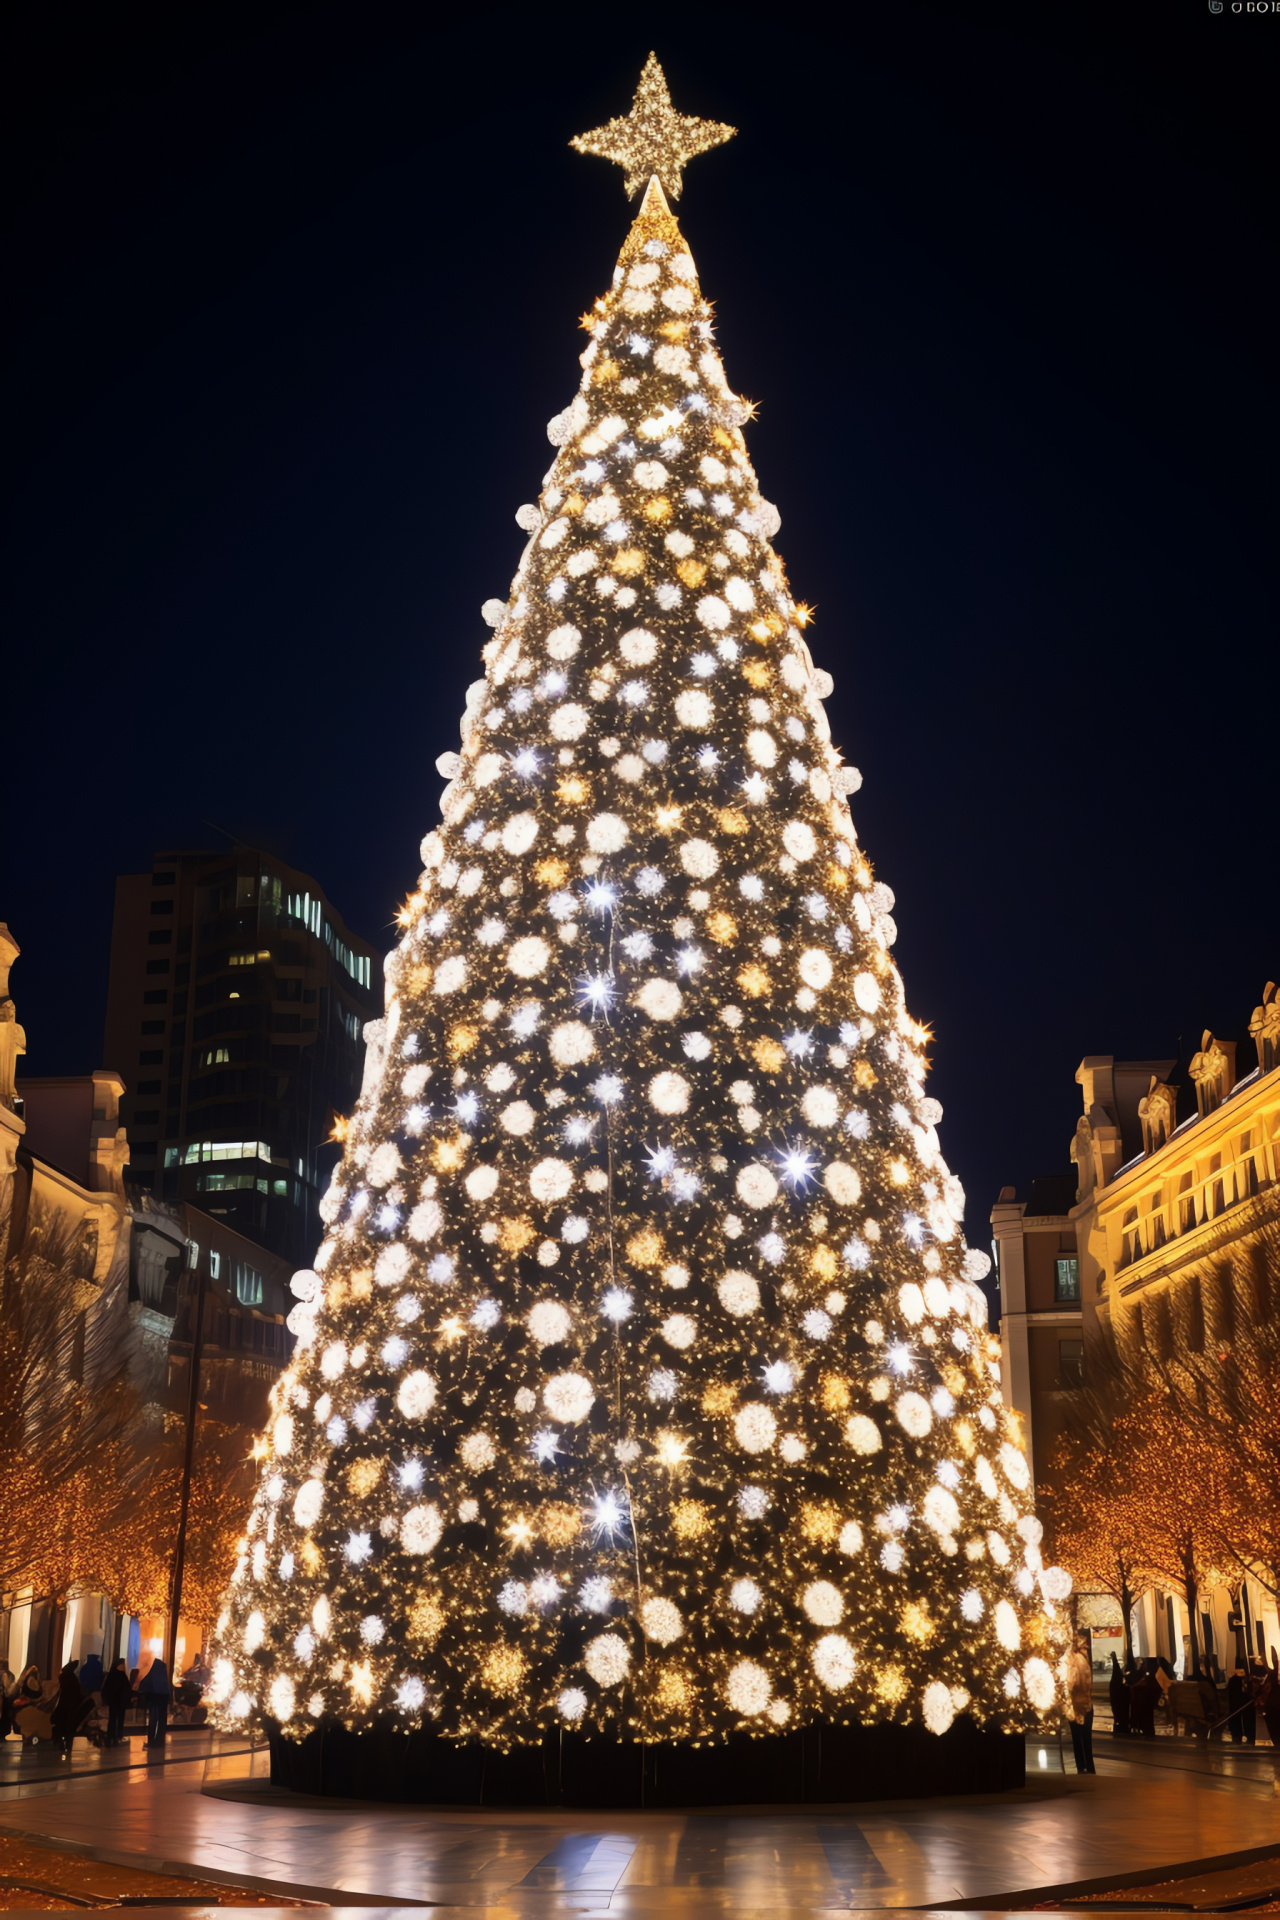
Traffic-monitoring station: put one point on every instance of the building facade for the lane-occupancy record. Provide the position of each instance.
(1172, 1177)
(1177, 1178)
(235, 1016)
(1041, 1314)
(103, 1251)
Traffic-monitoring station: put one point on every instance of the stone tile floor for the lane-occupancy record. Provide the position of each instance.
(1152, 1809)
(21, 1766)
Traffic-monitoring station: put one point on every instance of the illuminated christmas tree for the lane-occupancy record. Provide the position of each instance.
(642, 1384)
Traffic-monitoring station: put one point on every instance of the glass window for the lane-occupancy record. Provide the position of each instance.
(248, 1285)
(215, 1264)
(230, 1183)
(1070, 1363)
(1066, 1277)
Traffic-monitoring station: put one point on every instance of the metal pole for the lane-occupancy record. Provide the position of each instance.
(180, 1545)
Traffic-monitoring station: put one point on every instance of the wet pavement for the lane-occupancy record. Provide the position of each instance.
(1170, 1803)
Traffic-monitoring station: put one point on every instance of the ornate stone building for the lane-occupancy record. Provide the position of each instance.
(1176, 1176)
(1170, 1180)
(118, 1253)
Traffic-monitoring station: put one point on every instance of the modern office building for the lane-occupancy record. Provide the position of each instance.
(235, 1016)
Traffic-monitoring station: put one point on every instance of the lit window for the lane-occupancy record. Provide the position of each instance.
(1066, 1278)
(198, 1150)
(248, 1284)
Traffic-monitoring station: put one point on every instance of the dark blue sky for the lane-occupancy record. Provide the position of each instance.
(293, 292)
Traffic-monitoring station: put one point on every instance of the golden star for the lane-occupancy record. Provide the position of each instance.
(653, 139)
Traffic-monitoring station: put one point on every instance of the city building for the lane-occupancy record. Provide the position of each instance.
(235, 1016)
(124, 1275)
(1177, 1175)
(62, 1160)
(1176, 1180)
(1041, 1316)
(187, 1264)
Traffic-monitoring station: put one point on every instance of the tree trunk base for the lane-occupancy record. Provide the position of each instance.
(817, 1764)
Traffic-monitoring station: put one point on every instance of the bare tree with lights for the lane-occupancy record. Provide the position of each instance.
(642, 1382)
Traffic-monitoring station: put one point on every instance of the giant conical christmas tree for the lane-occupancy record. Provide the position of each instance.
(642, 1385)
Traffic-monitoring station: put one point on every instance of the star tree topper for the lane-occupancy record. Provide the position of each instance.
(653, 139)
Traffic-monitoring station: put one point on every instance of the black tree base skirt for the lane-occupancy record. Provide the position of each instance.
(815, 1764)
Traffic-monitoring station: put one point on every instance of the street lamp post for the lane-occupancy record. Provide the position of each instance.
(180, 1544)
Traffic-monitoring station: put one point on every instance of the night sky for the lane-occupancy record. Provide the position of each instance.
(293, 292)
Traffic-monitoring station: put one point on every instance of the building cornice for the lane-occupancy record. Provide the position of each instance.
(1207, 1238)
(1198, 1135)
(1046, 1316)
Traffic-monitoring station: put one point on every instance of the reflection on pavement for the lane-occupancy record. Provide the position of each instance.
(1152, 1810)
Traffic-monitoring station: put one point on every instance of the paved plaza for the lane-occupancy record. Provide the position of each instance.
(1169, 1805)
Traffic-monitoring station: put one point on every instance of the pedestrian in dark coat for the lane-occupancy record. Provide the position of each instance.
(91, 1674)
(154, 1690)
(69, 1710)
(1144, 1696)
(1119, 1694)
(117, 1697)
(1240, 1705)
(1269, 1700)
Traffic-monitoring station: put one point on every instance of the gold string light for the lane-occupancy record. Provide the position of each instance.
(653, 141)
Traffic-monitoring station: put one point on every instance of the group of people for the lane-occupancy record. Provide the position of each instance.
(1196, 1701)
(1252, 1688)
(61, 1708)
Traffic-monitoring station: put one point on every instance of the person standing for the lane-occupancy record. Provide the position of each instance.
(1143, 1697)
(1269, 1700)
(68, 1709)
(1118, 1692)
(1240, 1705)
(191, 1687)
(1080, 1685)
(117, 1696)
(154, 1690)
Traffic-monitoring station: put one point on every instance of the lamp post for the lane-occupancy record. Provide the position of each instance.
(180, 1544)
